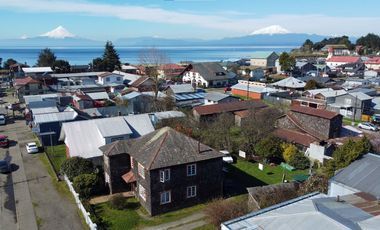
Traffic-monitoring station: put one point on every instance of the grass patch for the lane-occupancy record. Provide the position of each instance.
(270, 175)
(347, 121)
(39, 222)
(206, 227)
(57, 155)
(131, 219)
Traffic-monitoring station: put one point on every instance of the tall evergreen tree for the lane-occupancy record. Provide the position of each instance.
(111, 60)
(46, 58)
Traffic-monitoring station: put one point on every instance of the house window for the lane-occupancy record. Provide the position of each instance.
(141, 170)
(191, 170)
(27, 87)
(39, 86)
(347, 101)
(142, 192)
(164, 175)
(107, 79)
(165, 197)
(118, 79)
(191, 191)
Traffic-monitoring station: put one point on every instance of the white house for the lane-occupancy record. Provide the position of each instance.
(373, 63)
(108, 78)
(335, 61)
(207, 74)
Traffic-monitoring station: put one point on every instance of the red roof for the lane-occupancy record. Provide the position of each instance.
(344, 59)
(374, 60)
(25, 81)
(294, 137)
(314, 112)
(229, 107)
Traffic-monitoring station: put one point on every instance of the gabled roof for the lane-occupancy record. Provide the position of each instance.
(210, 70)
(253, 88)
(343, 59)
(54, 117)
(229, 107)
(362, 174)
(163, 148)
(139, 81)
(261, 54)
(25, 81)
(314, 112)
(361, 96)
(292, 136)
(98, 96)
(290, 82)
(215, 96)
(373, 60)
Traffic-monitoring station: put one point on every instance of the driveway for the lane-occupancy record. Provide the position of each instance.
(28, 198)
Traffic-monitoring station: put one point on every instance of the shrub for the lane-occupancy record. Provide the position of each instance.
(118, 202)
(315, 183)
(219, 210)
(288, 151)
(299, 161)
(269, 148)
(85, 185)
(76, 166)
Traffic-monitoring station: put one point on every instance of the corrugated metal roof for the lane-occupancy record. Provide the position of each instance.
(98, 96)
(52, 109)
(183, 88)
(55, 117)
(140, 124)
(290, 82)
(189, 96)
(113, 126)
(76, 75)
(40, 97)
(215, 96)
(362, 174)
(37, 70)
(169, 114)
(361, 96)
(253, 88)
(131, 95)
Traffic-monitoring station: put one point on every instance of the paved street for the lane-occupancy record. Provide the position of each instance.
(28, 198)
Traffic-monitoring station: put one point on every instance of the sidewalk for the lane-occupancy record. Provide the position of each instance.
(103, 199)
(187, 223)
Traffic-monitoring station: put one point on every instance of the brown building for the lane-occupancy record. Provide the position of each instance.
(210, 112)
(167, 169)
(305, 125)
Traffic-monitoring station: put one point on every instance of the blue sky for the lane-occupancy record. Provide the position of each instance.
(112, 19)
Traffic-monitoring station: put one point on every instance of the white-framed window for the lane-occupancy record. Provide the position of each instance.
(164, 175)
(191, 170)
(347, 101)
(142, 192)
(191, 191)
(165, 197)
(141, 170)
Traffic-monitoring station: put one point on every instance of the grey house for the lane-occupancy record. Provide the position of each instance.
(352, 105)
(167, 169)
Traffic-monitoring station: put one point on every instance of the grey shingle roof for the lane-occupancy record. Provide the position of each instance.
(209, 70)
(362, 175)
(163, 148)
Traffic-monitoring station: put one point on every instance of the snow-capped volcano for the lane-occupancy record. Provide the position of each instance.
(274, 29)
(59, 32)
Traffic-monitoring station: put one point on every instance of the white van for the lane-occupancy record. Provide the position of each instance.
(2, 120)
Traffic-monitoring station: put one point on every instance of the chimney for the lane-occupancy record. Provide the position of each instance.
(337, 198)
(199, 147)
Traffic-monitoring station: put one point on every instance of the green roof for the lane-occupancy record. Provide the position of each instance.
(261, 54)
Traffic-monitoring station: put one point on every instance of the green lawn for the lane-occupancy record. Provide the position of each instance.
(347, 121)
(131, 219)
(270, 175)
(57, 155)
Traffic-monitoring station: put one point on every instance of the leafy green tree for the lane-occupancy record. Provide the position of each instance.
(269, 148)
(46, 58)
(287, 62)
(371, 42)
(311, 84)
(346, 154)
(288, 150)
(307, 46)
(9, 62)
(97, 64)
(76, 166)
(85, 185)
(344, 40)
(299, 160)
(61, 66)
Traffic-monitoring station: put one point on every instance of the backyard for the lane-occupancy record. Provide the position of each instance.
(57, 155)
(135, 216)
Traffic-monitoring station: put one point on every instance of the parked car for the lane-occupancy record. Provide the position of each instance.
(4, 142)
(368, 126)
(32, 147)
(3, 120)
(227, 157)
(376, 119)
(4, 166)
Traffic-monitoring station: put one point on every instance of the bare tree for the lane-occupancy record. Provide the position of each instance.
(152, 59)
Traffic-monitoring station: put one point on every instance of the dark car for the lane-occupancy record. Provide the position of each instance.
(4, 166)
(4, 142)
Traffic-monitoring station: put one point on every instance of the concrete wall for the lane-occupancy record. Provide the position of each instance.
(338, 189)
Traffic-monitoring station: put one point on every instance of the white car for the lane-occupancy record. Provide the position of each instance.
(368, 126)
(3, 121)
(227, 157)
(32, 147)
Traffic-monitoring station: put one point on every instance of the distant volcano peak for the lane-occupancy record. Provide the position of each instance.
(273, 29)
(59, 32)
